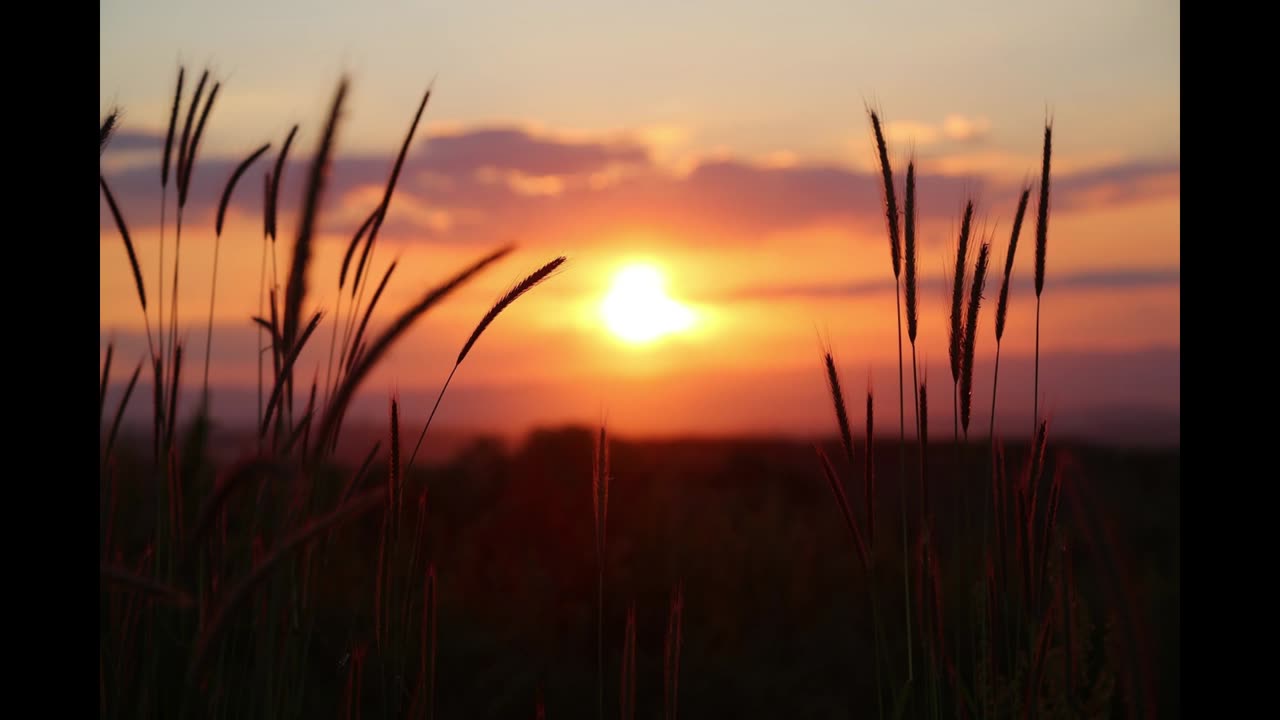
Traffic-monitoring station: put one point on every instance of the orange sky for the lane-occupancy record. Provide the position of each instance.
(773, 239)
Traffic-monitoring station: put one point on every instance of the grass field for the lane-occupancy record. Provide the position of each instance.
(583, 575)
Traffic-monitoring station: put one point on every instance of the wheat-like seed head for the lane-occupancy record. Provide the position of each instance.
(956, 329)
(842, 502)
(837, 399)
(970, 335)
(505, 301)
(184, 177)
(1002, 306)
(368, 313)
(924, 443)
(909, 217)
(276, 175)
(231, 185)
(346, 259)
(890, 196)
(296, 289)
(109, 125)
(870, 485)
(600, 491)
(168, 138)
(394, 481)
(1042, 212)
(367, 356)
(128, 242)
(186, 130)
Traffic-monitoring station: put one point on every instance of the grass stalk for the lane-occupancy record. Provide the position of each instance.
(1042, 237)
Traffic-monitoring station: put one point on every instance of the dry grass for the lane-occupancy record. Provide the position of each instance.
(128, 246)
(1002, 305)
(671, 654)
(109, 124)
(955, 330)
(1042, 241)
(971, 335)
(296, 289)
(207, 576)
(837, 400)
(528, 283)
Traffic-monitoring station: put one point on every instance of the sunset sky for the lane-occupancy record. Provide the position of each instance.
(724, 145)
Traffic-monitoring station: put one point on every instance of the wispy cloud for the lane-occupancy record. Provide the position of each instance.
(477, 184)
(955, 128)
(1092, 280)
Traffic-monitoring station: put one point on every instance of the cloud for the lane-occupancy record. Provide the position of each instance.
(1119, 184)
(488, 183)
(517, 150)
(955, 128)
(963, 129)
(131, 140)
(1092, 280)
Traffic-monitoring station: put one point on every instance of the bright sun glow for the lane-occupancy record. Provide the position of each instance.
(637, 308)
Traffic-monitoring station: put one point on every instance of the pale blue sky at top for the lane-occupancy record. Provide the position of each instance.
(753, 77)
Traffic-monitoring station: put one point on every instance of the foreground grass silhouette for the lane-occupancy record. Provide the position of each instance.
(273, 586)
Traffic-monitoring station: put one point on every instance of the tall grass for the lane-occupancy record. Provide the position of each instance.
(1042, 240)
(1023, 611)
(211, 608)
(217, 244)
(600, 515)
(172, 617)
(1002, 305)
(895, 256)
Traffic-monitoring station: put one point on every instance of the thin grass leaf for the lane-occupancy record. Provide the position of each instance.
(837, 489)
(102, 387)
(600, 491)
(346, 259)
(128, 245)
(157, 429)
(369, 358)
(395, 173)
(241, 473)
(296, 289)
(971, 335)
(231, 185)
(911, 282)
(173, 395)
(109, 125)
(242, 591)
(186, 129)
(924, 456)
(184, 182)
(368, 313)
(870, 472)
(837, 399)
(627, 684)
(286, 369)
(1042, 210)
(394, 481)
(124, 402)
(349, 491)
(520, 288)
(955, 333)
(505, 301)
(1002, 305)
(671, 654)
(168, 138)
(276, 175)
(155, 589)
(890, 196)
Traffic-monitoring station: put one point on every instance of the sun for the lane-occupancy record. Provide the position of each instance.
(637, 309)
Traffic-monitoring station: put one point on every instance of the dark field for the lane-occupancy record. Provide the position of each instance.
(776, 620)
